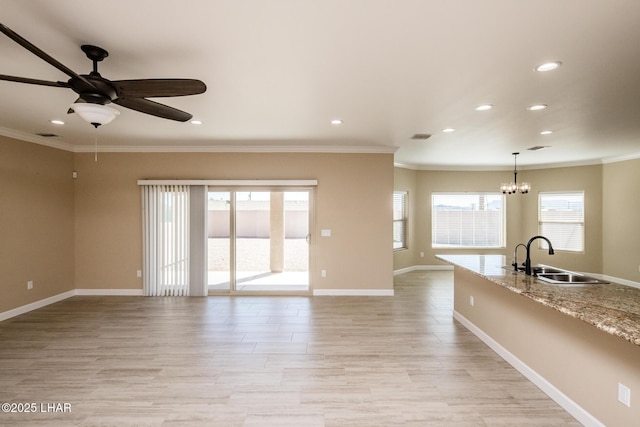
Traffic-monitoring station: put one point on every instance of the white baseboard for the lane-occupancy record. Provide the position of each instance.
(138, 292)
(110, 292)
(422, 267)
(354, 292)
(549, 389)
(57, 298)
(35, 305)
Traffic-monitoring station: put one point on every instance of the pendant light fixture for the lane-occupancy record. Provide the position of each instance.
(514, 187)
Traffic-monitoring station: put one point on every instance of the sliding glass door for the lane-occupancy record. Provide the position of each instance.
(219, 240)
(258, 240)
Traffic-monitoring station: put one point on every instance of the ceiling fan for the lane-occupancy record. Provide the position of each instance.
(95, 92)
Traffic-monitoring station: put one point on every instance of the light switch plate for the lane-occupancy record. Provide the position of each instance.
(624, 394)
(325, 233)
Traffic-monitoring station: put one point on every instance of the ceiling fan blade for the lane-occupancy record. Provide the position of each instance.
(154, 108)
(41, 54)
(153, 88)
(33, 81)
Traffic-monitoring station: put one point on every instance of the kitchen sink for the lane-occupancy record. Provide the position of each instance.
(558, 276)
(568, 278)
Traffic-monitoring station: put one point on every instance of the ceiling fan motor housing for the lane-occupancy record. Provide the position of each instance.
(102, 92)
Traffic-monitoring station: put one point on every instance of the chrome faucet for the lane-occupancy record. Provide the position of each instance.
(515, 256)
(527, 262)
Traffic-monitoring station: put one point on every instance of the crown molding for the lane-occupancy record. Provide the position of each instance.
(347, 149)
(468, 168)
(616, 159)
(57, 143)
(36, 139)
(236, 149)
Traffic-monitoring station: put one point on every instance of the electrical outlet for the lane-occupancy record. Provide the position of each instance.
(624, 395)
(30, 284)
(421, 254)
(139, 273)
(323, 273)
(471, 301)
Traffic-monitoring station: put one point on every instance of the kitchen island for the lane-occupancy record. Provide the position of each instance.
(577, 343)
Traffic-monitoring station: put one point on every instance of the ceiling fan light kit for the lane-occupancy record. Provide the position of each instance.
(95, 114)
(95, 91)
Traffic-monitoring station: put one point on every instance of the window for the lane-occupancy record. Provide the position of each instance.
(467, 220)
(561, 220)
(399, 220)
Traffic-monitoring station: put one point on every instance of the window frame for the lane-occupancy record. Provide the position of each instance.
(502, 232)
(403, 221)
(542, 244)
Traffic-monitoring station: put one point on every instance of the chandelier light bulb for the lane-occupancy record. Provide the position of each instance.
(524, 187)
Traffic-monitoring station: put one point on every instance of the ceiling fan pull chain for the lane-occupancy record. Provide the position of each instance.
(95, 158)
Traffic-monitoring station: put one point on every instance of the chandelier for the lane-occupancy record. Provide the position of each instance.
(514, 187)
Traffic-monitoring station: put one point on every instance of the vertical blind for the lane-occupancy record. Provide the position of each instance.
(165, 210)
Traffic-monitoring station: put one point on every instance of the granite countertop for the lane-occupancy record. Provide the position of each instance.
(611, 307)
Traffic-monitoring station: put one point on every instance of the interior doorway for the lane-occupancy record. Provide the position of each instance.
(258, 240)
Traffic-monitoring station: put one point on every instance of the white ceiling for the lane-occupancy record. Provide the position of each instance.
(278, 71)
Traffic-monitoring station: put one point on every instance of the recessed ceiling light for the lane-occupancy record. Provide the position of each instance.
(336, 122)
(537, 107)
(484, 107)
(548, 66)
(57, 122)
(448, 130)
(546, 132)
(196, 122)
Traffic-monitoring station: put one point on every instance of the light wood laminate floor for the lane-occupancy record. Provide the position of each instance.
(264, 361)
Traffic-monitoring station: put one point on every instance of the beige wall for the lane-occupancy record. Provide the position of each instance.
(36, 222)
(622, 253)
(621, 220)
(353, 199)
(584, 363)
(65, 234)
